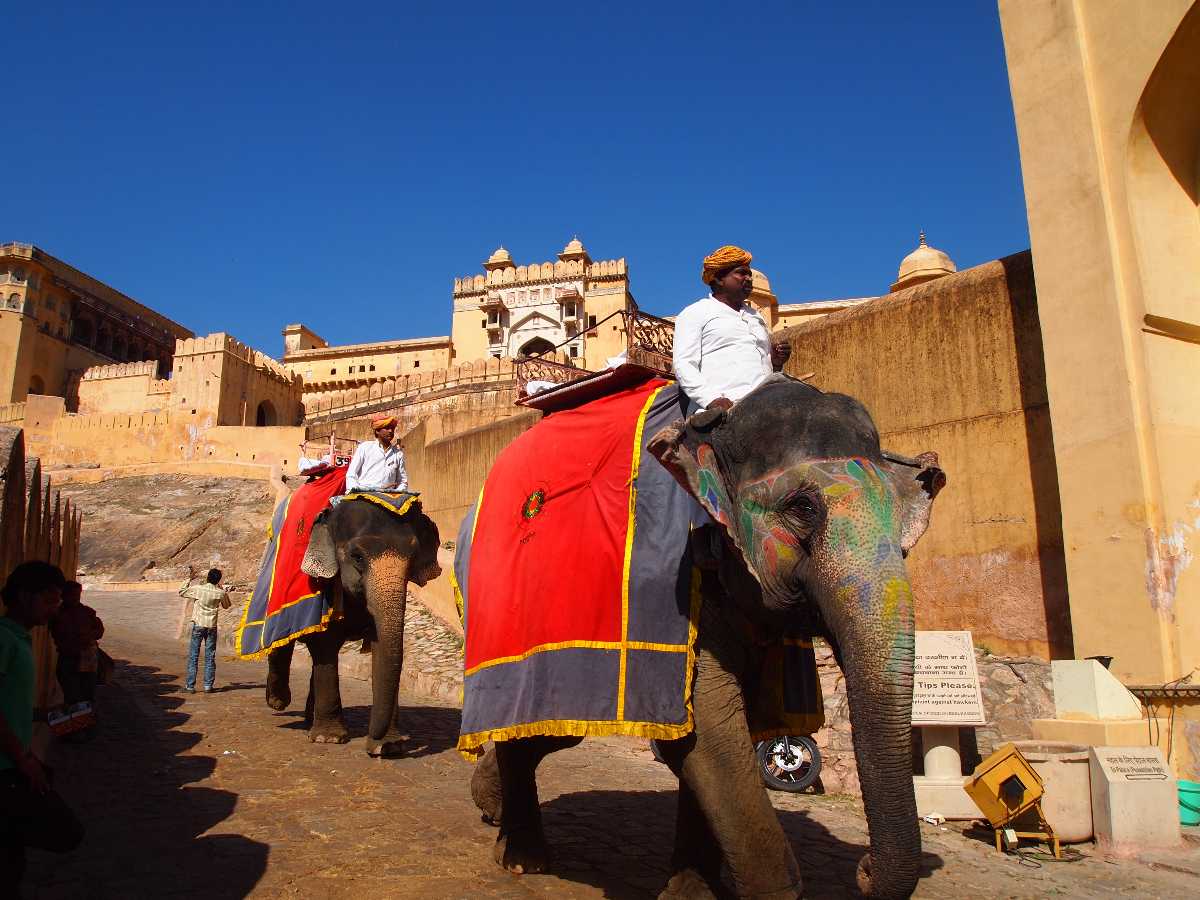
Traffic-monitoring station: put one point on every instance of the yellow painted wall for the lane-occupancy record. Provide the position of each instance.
(1109, 130)
(954, 366)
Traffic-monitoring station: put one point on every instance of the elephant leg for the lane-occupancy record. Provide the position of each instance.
(486, 788)
(521, 844)
(279, 669)
(696, 859)
(325, 699)
(720, 779)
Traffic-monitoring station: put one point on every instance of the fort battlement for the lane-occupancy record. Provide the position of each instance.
(121, 370)
(344, 403)
(220, 342)
(541, 273)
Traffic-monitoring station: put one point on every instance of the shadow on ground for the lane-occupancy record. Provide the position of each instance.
(591, 846)
(429, 729)
(146, 826)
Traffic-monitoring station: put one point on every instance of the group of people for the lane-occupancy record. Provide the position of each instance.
(32, 814)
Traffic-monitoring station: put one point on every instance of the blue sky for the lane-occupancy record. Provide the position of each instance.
(241, 166)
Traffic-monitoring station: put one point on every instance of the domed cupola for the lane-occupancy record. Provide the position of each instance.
(923, 264)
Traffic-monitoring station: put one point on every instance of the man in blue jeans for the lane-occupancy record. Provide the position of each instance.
(208, 599)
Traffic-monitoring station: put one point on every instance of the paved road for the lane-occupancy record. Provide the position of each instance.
(217, 796)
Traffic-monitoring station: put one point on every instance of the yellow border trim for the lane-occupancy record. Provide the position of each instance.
(471, 745)
(390, 507)
(568, 645)
(630, 531)
(259, 654)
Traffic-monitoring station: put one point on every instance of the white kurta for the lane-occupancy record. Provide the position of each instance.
(372, 468)
(720, 352)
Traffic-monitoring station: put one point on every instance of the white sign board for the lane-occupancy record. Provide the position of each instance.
(945, 680)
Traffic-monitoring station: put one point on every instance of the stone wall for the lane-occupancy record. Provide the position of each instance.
(1016, 690)
(130, 440)
(121, 388)
(955, 366)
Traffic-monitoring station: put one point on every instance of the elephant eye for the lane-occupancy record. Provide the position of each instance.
(801, 510)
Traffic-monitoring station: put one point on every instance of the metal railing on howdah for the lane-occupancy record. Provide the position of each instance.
(649, 341)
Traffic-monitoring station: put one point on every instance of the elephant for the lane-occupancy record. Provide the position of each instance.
(374, 554)
(814, 522)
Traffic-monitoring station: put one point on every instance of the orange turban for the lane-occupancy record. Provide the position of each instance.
(719, 260)
(383, 420)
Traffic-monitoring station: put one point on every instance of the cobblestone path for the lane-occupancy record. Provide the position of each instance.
(217, 796)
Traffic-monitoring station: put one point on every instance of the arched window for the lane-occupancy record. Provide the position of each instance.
(536, 345)
(266, 415)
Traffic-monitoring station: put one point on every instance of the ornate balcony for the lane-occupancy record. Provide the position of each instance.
(648, 345)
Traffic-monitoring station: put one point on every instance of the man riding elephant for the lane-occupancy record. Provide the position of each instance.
(815, 520)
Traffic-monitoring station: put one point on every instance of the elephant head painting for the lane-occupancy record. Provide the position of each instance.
(815, 521)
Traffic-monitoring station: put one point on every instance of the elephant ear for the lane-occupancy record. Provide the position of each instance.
(681, 447)
(918, 482)
(320, 559)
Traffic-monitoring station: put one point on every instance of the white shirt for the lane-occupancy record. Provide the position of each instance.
(720, 352)
(372, 468)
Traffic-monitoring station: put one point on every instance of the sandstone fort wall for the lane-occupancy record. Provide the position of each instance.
(955, 366)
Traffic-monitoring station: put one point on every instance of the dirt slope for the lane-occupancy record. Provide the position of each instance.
(155, 527)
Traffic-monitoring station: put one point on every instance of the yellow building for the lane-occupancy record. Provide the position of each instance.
(56, 321)
(327, 369)
(1108, 123)
(512, 310)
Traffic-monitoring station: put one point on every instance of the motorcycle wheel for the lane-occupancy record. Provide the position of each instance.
(791, 763)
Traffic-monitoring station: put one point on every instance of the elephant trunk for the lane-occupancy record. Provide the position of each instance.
(386, 588)
(875, 639)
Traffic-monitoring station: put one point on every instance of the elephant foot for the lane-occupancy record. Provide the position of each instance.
(687, 884)
(485, 788)
(279, 697)
(333, 732)
(522, 851)
(386, 747)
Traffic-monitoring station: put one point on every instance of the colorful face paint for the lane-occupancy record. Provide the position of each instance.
(856, 554)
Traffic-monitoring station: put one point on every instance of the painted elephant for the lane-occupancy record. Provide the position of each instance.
(815, 521)
(374, 554)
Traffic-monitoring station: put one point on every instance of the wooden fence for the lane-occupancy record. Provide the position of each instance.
(35, 523)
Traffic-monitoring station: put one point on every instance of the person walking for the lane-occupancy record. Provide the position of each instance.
(208, 600)
(33, 814)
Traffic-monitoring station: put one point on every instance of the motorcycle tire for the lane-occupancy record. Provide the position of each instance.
(791, 763)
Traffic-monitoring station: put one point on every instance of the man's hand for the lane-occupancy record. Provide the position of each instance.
(721, 403)
(29, 766)
(780, 353)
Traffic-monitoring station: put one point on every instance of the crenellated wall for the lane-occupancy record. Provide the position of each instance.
(320, 405)
(540, 272)
(220, 376)
(120, 388)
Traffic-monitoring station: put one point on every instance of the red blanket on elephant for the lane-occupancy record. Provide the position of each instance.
(580, 598)
(286, 602)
